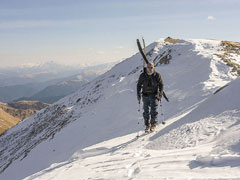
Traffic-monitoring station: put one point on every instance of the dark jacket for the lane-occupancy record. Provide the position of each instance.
(150, 84)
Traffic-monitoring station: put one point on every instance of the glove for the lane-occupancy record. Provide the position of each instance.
(159, 97)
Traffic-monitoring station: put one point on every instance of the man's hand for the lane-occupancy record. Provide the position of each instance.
(159, 97)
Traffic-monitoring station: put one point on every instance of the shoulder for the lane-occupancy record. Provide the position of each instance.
(142, 76)
(157, 74)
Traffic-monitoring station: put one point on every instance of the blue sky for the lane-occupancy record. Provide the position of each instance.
(97, 31)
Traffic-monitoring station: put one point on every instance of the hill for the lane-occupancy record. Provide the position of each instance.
(14, 112)
(7, 121)
(203, 144)
(70, 137)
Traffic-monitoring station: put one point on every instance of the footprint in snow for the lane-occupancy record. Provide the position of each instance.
(133, 172)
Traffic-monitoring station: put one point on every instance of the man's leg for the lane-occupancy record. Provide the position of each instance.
(146, 114)
(154, 107)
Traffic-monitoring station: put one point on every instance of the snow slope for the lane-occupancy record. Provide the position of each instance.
(92, 133)
(200, 149)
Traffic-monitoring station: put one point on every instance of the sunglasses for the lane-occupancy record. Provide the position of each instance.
(150, 67)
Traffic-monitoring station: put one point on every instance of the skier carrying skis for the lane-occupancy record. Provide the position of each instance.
(150, 85)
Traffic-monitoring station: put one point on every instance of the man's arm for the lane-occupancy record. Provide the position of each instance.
(160, 86)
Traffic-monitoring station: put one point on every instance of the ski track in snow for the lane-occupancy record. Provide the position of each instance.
(91, 134)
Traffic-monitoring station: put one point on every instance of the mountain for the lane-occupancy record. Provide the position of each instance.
(35, 73)
(67, 86)
(55, 92)
(201, 145)
(7, 121)
(10, 93)
(91, 134)
(47, 71)
(36, 90)
(14, 112)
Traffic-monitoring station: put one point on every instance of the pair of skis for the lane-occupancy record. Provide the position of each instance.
(141, 51)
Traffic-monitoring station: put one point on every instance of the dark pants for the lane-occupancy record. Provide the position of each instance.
(150, 105)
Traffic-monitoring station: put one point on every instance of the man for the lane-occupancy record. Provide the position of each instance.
(150, 85)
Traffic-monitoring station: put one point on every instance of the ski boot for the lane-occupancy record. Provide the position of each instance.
(147, 129)
(153, 127)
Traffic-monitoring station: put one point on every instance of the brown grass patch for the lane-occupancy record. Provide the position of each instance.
(12, 113)
(230, 44)
(230, 47)
(7, 121)
(171, 40)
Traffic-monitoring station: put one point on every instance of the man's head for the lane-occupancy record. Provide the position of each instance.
(150, 68)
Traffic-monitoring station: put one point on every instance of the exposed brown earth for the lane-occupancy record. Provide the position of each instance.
(14, 112)
(230, 48)
(7, 121)
(171, 40)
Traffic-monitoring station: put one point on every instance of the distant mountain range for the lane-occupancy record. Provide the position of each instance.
(52, 93)
(36, 73)
(14, 112)
(48, 82)
(26, 74)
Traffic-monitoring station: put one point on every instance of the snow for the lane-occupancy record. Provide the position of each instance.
(199, 141)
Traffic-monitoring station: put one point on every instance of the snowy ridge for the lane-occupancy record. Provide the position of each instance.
(205, 149)
(62, 137)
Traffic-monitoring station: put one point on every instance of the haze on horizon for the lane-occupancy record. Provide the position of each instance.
(95, 32)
